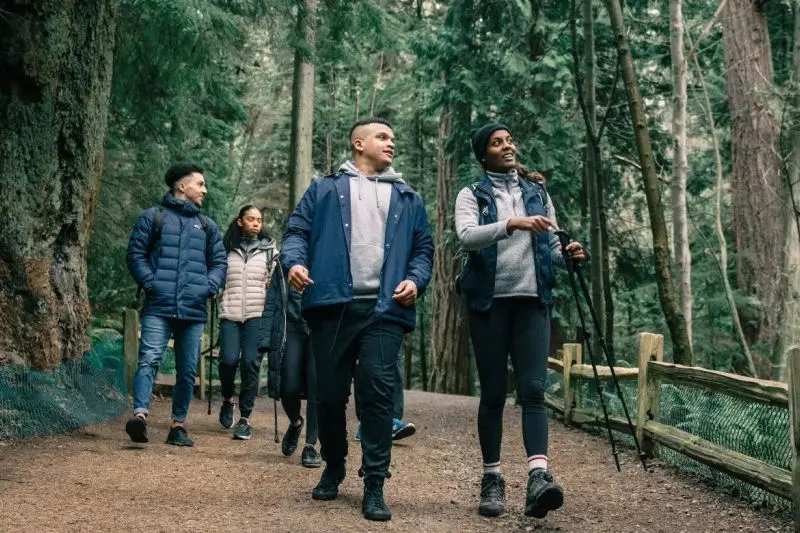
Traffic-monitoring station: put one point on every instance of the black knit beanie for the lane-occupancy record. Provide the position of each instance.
(480, 138)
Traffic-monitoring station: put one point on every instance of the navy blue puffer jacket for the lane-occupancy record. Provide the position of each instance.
(180, 274)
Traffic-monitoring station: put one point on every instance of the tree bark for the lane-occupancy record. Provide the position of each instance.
(722, 259)
(592, 164)
(789, 336)
(449, 334)
(301, 167)
(680, 165)
(756, 164)
(56, 61)
(682, 350)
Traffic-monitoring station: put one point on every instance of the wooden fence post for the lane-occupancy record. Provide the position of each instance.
(651, 348)
(573, 355)
(793, 361)
(130, 345)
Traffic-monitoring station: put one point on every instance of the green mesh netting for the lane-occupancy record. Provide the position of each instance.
(757, 430)
(81, 392)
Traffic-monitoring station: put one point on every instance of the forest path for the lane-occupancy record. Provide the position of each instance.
(96, 480)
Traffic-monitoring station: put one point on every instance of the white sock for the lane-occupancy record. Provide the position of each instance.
(537, 461)
(491, 468)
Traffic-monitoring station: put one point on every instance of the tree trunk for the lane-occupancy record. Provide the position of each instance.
(301, 167)
(606, 258)
(592, 164)
(331, 122)
(449, 334)
(789, 336)
(756, 165)
(680, 165)
(56, 61)
(682, 349)
(722, 259)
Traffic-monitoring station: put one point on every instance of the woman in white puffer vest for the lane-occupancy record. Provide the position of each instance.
(250, 252)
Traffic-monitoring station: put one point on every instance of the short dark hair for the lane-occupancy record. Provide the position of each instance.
(180, 170)
(369, 120)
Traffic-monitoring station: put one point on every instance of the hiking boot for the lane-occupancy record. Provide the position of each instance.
(226, 414)
(373, 507)
(328, 486)
(178, 437)
(493, 495)
(358, 433)
(401, 430)
(310, 457)
(292, 437)
(242, 430)
(136, 428)
(543, 494)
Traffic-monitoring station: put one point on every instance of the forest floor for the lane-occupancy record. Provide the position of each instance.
(94, 479)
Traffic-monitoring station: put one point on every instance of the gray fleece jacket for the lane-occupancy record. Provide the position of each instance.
(515, 275)
(370, 197)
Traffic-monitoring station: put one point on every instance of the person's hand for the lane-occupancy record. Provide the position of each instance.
(575, 251)
(298, 278)
(534, 223)
(406, 293)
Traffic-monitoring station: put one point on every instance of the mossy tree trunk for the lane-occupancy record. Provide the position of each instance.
(56, 64)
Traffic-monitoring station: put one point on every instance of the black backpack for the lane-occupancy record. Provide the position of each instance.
(155, 235)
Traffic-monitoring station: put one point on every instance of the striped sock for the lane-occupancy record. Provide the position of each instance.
(537, 461)
(491, 468)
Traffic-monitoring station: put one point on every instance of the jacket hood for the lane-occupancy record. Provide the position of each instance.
(183, 207)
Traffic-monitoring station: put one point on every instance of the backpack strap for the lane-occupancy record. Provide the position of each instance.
(155, 230)
(207, 229)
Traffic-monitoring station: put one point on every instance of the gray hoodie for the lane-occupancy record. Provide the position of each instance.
(370, 197)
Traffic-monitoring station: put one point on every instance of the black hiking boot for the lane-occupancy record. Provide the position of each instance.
(493, 495)
(292, 437)
(328, 486)
(226, 414)
(310, 457)
(136, 428)
(373, 507)
(178, 437)
(544, 494)
(242, 430)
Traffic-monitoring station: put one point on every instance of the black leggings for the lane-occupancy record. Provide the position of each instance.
(519, 327)
(298, 375)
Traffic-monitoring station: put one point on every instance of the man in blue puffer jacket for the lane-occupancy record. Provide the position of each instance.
(176, 256)
(359, 247)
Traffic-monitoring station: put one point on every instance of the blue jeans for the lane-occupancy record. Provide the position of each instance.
(156, 331)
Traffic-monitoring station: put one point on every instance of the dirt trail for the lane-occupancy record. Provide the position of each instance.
(95, 480)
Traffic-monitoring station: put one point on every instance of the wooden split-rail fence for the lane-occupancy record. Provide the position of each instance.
(650, 374)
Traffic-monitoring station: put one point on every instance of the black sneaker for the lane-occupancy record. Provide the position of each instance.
(242, 430)
(292, 437)
(544, 494)
(310, 457)
(493, 495)
(136, 428)
(328, 486)
(226, 414)
(373, 507)
(178, 437)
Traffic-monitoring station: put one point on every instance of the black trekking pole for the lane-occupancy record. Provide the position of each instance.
(210, 350)
(574, 270)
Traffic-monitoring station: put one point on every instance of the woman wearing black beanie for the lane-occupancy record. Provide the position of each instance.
(506, 224)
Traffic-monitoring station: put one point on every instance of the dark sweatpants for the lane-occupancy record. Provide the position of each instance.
(340, 336)
(398, 400)
(298, 375)
(238, 346)
(519, 327)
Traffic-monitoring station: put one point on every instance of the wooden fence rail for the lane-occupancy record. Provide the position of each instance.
(650, 374)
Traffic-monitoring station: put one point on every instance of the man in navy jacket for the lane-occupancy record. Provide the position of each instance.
(176, 256)
(359, 247)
